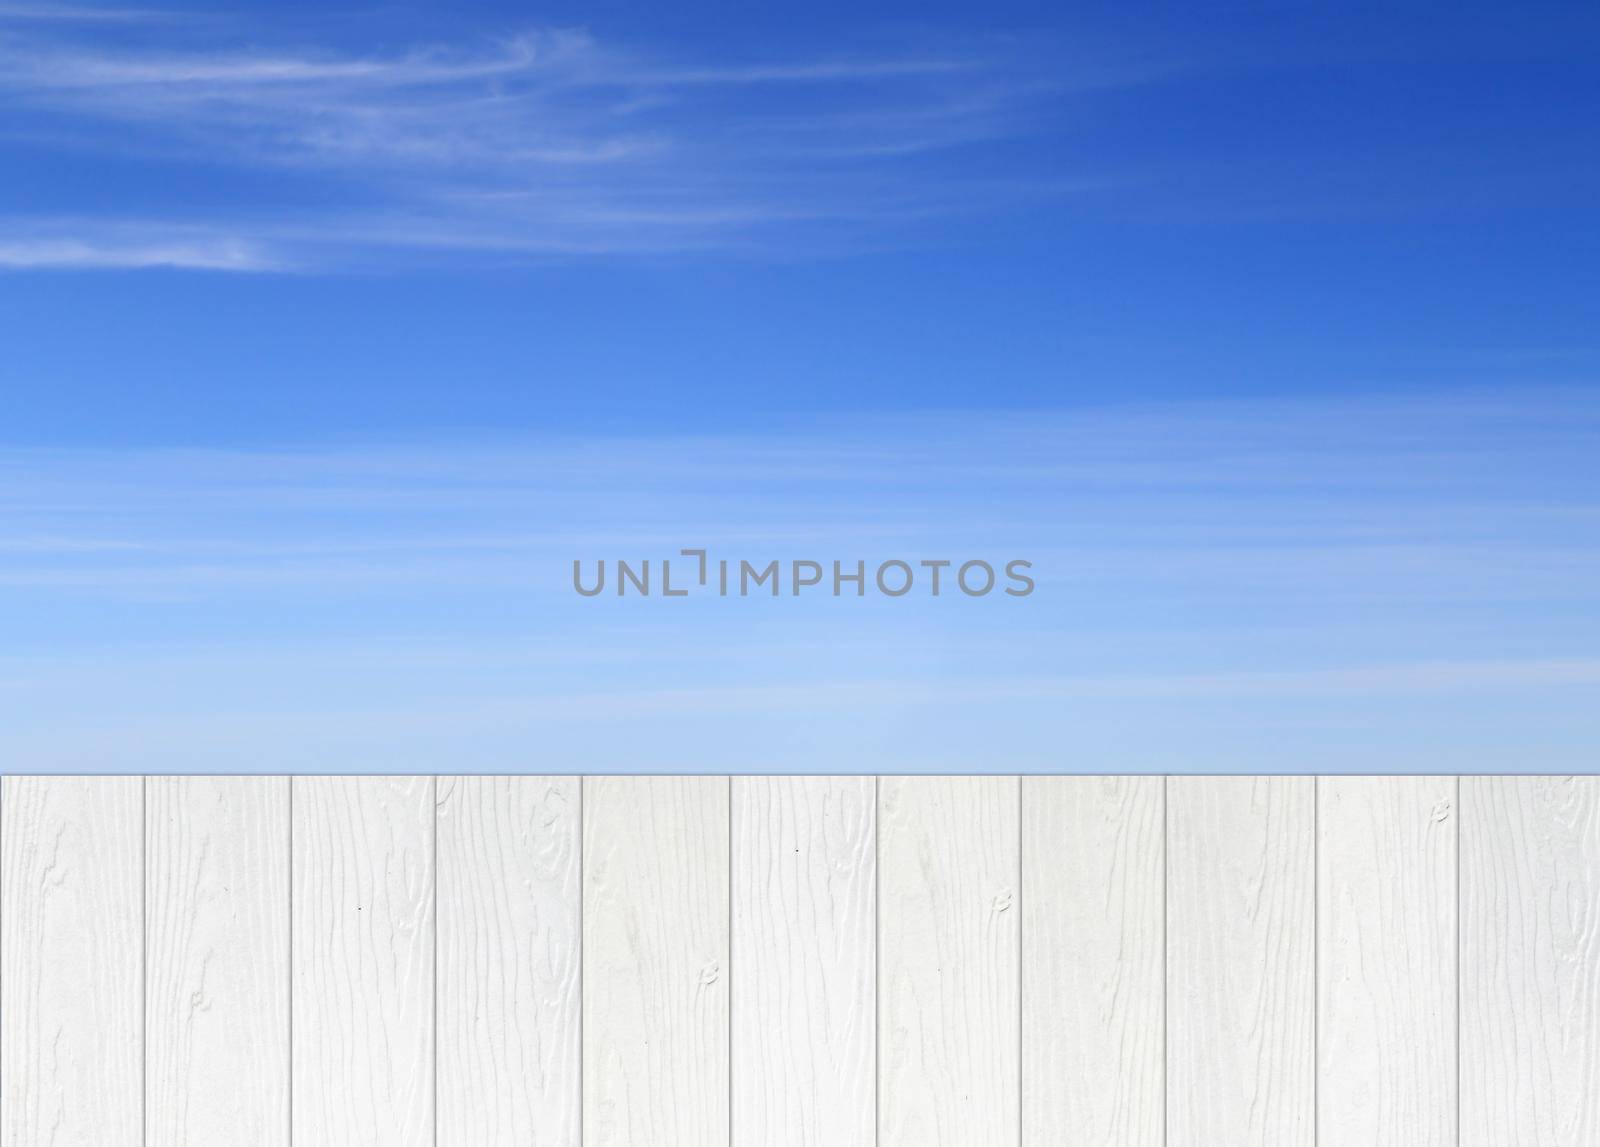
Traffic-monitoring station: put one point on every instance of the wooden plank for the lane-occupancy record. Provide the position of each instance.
(949, 1005)
(509, 962)
(1093, 960)
(217, 972)
(1530, 961)
(655, 941)
(363, 947)
(1386, 964)
(804, 950)
(1241, 886)
(72, 961)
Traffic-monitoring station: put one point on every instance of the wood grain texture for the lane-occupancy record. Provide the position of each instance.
(363, 948)
(242, 960)
(949, 1018)
(72, 962)
(1241, 922)
(655, 940)
(217, 944)
(1386, 965)
(1093, 915)
(804, 951)
(1530, 961)
(510, 926)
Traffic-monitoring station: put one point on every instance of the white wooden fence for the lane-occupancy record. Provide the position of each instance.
(778, 962)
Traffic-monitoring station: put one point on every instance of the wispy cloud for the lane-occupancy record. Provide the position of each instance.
(75, 14)
(1465, 495)
(1409, 579)
(128, 246)
(545, 142)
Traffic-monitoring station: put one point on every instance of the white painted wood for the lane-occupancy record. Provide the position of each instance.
(655, 938)
(1309, 962)
(949, 1018)
(1241, 888)
(1530, 961)
(1093, 961)
(71, 962)
(363, 948)
(217, 963)
(1386, 964)
(509, 960)
(804, 958)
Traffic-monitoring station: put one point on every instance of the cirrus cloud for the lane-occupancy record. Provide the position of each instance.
(546, 143)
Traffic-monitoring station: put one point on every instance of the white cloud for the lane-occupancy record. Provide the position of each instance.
(1383, 582)
(1456, 500)
(547, 143)
(219, 254)
(63, 13)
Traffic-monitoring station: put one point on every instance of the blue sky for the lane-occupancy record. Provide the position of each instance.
(328, 338)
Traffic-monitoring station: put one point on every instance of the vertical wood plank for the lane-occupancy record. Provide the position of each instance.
(949, 1017)
(1530, 961)
(217, 963)
(363, 948)
(509, 962)
(1386, 965)
(72, 962)
(655, 941)
(1241, 1005)
(804, 947)
(1093, 960)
